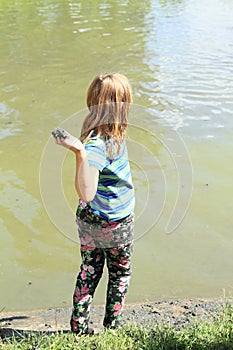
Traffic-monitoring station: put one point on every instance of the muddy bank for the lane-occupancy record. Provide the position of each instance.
(175, 312)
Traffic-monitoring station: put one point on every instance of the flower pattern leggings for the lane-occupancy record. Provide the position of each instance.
(118, 259)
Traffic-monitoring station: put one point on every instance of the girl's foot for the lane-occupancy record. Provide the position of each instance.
(89, 331)
(113, 325)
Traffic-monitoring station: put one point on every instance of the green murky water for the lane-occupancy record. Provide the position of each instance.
(178, 57)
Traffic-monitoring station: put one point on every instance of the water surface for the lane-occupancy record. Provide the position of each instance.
(178, 57)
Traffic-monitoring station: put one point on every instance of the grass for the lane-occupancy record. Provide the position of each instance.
(216, 334)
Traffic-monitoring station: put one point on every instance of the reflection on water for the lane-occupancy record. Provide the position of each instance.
(178, 57)
(17, 201)
(9, 119)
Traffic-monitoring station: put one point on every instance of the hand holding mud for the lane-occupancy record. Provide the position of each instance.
(65, 139)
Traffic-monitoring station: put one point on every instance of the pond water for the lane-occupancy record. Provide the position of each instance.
(177, 55)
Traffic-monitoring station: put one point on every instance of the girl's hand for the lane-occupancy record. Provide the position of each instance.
(71, 142)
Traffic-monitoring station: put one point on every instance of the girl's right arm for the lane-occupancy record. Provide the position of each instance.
(86, 177)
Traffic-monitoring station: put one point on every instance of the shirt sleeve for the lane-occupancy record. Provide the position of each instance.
(96, 153)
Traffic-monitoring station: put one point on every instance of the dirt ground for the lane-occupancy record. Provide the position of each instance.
(176, 312)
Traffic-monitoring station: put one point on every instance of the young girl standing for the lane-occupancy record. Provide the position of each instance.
(104, 216)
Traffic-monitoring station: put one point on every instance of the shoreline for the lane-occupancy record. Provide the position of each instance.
(175, 312)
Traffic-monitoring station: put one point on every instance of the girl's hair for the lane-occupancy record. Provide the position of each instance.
(108, 100)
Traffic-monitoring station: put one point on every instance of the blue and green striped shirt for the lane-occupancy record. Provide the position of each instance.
(114, 198)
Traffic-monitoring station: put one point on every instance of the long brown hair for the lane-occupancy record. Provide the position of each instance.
(108, 100)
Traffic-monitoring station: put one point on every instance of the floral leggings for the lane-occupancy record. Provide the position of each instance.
(94, 254)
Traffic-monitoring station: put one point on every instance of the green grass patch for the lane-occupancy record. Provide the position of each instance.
(216, 334)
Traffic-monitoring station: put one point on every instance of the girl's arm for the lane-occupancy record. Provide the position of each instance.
(86, 177)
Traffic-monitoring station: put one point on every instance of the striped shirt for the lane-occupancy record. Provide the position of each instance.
(114, 199)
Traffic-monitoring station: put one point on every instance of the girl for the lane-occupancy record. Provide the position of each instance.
(103, 182)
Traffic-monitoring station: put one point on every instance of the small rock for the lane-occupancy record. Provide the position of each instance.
(48, 325)
(155, 311)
